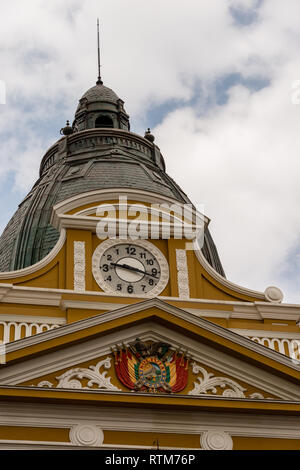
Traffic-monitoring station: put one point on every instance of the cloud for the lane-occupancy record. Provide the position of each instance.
(215, 78)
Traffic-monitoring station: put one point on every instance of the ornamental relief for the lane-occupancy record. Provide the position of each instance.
(208, 384)
(149, 367)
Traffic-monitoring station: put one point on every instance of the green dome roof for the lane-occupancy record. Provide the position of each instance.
(91, 158)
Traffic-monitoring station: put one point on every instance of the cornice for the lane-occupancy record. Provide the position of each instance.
(120, 419)
(140, 399)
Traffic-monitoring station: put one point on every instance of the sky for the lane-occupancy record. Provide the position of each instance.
(218, 83)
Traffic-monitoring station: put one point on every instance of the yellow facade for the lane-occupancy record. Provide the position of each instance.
(66, 340)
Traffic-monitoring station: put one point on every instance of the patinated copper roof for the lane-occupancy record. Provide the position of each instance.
(87, 160)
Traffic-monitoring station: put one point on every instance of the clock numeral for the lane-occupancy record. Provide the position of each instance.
(130, 289)
(143, 288)
(119, 286)
(131, 250)
(150, 262)
(143, 255)
(154, 271)
(105, 268)
(117, 250)
(151, 282)
(108, 278)
(109, 257)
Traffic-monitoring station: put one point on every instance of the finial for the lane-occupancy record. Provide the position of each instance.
(99, 81)
(67, 130)
(149, 136)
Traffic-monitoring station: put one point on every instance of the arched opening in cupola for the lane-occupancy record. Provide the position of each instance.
(104, 121)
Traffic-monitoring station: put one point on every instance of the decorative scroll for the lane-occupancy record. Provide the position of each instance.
(79, 266)
(151, 367)
(182, 274)
(73, 378)
(208, 383)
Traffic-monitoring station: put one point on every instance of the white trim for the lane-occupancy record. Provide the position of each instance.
(127, 419)
(11, 444)
(104, 195)
(182, 274)
(41, 264)
(84, 222)
(30, 295)
(79, 266)
(86, 305)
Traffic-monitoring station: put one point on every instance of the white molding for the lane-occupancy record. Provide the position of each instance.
(72, 378)
(104, 195)
(88, 305)
(81, 222)
(30, 295)
(188, 213)
(41, 264)
(79, 266)
(121, 419)
(6, 444)
(252, 310)
(182, 274)
(208, 382)
(106, 244)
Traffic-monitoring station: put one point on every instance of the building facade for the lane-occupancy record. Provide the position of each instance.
(119, 327)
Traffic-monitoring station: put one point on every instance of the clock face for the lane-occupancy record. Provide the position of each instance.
(130, 268)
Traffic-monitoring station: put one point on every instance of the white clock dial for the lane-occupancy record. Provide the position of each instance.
(130, 268)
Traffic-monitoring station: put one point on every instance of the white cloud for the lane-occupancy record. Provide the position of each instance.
(240, 159)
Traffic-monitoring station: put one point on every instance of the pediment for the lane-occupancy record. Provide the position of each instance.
(219, 362)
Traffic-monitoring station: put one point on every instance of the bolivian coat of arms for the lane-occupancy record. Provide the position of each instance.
(151, 367)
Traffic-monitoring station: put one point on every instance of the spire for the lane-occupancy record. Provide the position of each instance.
(99, 81)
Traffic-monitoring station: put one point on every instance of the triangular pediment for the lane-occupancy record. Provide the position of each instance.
(219, 362)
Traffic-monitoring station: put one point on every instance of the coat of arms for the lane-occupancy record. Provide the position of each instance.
(152, 367)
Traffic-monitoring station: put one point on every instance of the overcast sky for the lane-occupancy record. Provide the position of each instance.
(214, 81)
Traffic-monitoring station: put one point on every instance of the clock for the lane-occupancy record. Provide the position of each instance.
(130, 268)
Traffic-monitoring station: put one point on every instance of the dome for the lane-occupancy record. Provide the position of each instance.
(101, 153)
(98, 93)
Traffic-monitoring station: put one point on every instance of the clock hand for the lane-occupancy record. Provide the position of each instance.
(131, 268)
